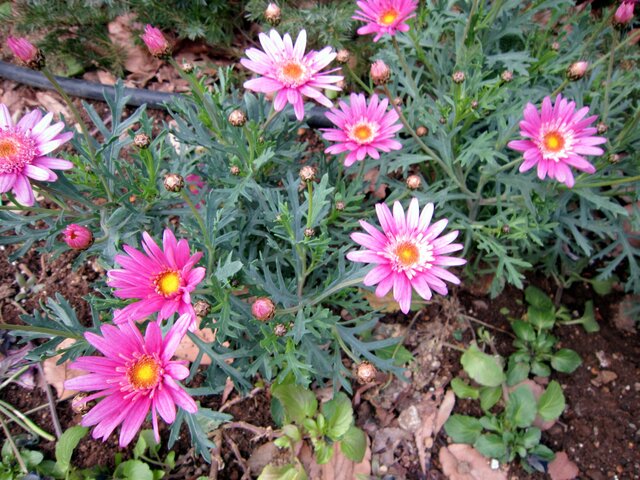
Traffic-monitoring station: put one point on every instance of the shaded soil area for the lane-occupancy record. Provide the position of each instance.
(599, 430)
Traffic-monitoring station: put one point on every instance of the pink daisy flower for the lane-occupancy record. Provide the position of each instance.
(286, 69)
(407, 253)
(155, 41)
(161, 280)
(559, 136)
(23, 49)
(385, 16)
(23, 152)
(135, 375)
(362, 129)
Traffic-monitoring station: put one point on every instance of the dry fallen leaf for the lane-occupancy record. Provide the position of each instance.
(562, 468)
(55, 375)
(53, 105)
(187, 350)
(372, 177)
(338, 468)
(463, 462)
(444, 412)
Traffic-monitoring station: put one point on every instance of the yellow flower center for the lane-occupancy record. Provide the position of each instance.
(362, 132)
(292, 71)
(407, 253)
(167, 283)
(553, 141)
(388, 17)
(144, 373)
(8, 148)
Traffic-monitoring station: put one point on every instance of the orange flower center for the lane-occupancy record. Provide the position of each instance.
(167, 283)
(407, 253)
(292, 71)
(388, 17)
(553, 141)
(8, 148)
(144, 373)
(362, 132)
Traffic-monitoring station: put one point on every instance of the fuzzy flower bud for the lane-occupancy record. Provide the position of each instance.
(414, 182)
(577, 70)
(602, 128)
(380, 72)
(201, 308)
(79, 405)
(309, 232)
(474, 105)
(343, 56)
(237, 118)
(187, 67)
(366, 372)
(506, 76)
(308, 173)
(28, 54)
(77, 237)
(263, 309)
(624, 13)
(458, 77)
(155, 41)
(340, 205)
(142, 140)
(421, 131)
(280, 330)
(555, 46)
(173, 182)
(273, 14)
(234, 170)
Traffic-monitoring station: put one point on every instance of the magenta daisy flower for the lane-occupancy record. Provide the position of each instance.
(161, 280)
(558, 138)
(23, 152)
(286, 69)
(135, 375)
(384, 16)
(362, 129)
(407, 253)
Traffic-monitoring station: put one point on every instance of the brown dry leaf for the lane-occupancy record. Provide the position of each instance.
(55, 375)
(372, 177)
(106, 78)
(623, 318)
(562, 468)
(187, 350)
(385, 441)
(338, 468)
(444, 412)
(463, 462)
(262, 456)
(52, 104)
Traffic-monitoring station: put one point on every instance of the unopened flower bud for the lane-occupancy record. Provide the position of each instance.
(142, 140)
(366, 372)
(187, 67)
(343, 56)
(458, 77)
(156, 42)
(27, 53)
(577, 70)
(380, 72)
(397, 102)
(234, 170)
(173, 182)
(273, 14)
(442, 121)
(614, 158)
(280, 330)
(201, 308)
(237, 118)
(308, 173)
(421, 131)
(340, 205)
(506, 229)
(77, 237)
(79, 404)
(309, 232)
(624, 13)
(506, 76)
(414, 182)
(474, 104)
(263, 309)
(602, 128)
(555, 46)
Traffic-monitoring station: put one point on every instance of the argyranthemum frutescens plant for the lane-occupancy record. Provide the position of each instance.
(266, 230)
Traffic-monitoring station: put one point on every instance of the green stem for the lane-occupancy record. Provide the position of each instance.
(46, 331)
(607, 86)
(16, 452)
(358, 80)
(467, 26)
(608, 183)
(628, 39)
(564, 83)
(203, 228)
(424, 146)
(628, 127)
(405, 66)
(272, 115)
(8, 409)
(322, 296)
(14, 376)
(344, 346)
(310, 193)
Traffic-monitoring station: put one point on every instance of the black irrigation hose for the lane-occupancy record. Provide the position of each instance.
(98, 91)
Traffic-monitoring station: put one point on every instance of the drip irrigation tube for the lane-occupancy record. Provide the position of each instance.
(98, 91)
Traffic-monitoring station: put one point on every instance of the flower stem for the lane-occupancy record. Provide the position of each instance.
(310, 193)
(14, 448)
(203, 228)
(10, 411)
(344, 346)
(405, 66)
(358, 80)
(609, 183)
(607, 86)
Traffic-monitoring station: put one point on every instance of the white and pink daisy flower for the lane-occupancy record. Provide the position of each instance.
(559, 136)
(384, 17)
(407, 253)
(287, 70)
(135, 375)
(162, 280)
(363, 128)
(23, 152)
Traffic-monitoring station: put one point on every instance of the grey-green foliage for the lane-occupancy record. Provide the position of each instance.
(511, 221)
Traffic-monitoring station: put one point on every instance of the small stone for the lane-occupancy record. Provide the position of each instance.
(495, 464)
(409, 419)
